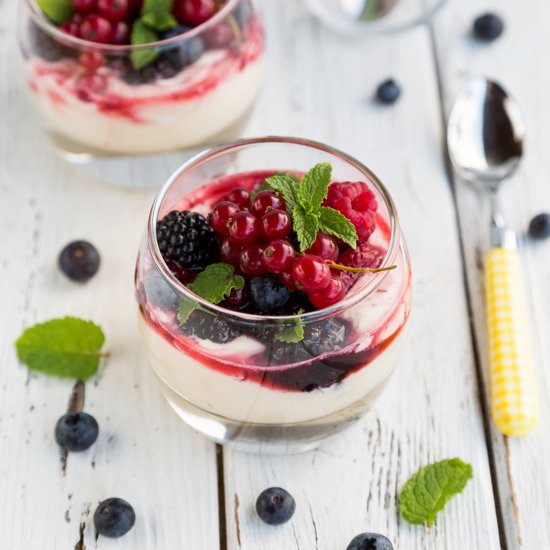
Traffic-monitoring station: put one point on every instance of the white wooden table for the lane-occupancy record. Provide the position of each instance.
(189, 494)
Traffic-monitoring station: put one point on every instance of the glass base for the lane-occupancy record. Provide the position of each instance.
(280, 439)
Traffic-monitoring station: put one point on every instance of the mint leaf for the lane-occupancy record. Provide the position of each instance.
(314, 187)
(306, 227)
(67, 347)
(287, 186)
(142, 34)
(156, 6)
(159, 20)
(56, 10)
(292, 334)
(429, 489)
(214, 284)
(335, 223)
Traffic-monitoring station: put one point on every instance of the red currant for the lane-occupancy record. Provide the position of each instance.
(230, 253)
(325, 247)
(266, 200)
(275, 224)
(71, 27)
(222, 215)
(96, 29)
(237, 299)
(85, 7)
(251, 260)
(239, 196)
(288, 280)
(311, 273)
(330, 295)
(278, 256)
(244, 229)
(135, 8)
(113, 10)
(91, 60)
(194, 12)
(121, 33)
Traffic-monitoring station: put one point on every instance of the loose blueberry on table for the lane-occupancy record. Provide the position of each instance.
(539, 226)
(114, 517)
(487, 27)
(388, 92)
(275, 506)
(79, 261)
(370, 541)
(76, 432)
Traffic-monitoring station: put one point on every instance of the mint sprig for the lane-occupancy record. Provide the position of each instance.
(68, 347)
(159, 20)
(57, 11)
(304, 199)
(430, 488)
(292, 334)
(142, 34)
(214, 284)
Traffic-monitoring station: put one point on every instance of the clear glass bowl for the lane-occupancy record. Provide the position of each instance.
(93, 100)
(366, 17)
(245, 388)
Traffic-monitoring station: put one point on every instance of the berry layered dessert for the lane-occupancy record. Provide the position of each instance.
(273, 301)
(142, 76)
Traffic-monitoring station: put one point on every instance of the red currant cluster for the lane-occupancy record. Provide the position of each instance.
(110, 21)
(255, 236)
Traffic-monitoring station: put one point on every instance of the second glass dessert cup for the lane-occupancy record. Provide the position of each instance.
(102, 99)
(229, 374)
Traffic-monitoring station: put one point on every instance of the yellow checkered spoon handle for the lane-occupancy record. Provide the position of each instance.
(514, 401)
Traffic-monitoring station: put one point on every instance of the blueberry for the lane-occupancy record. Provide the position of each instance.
(268, 293)
(243, 12)
(79, 261)
(76, 431)
(114, 517)
(185, 52)
(275, 506)
(487, 27)
(325, 337)
(539, 227)
(158, 292)
(370, 541)
(388, 91)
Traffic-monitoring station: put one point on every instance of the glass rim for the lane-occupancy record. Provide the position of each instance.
(310, 316)
(49, 27)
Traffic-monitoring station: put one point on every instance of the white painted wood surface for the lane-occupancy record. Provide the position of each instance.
(317, 86)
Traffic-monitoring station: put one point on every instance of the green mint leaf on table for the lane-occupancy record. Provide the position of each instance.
(156, 6)
(214, 284)
(56, 10)
(159, 20)
(335, 223)
(306, 227)
(428, 490)
(67, 347)
(314, 188)
(292, 334)
(142, 34)
(287, 186)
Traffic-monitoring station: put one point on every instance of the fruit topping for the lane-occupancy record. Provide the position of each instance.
(222, 216)
(187, 239)
(539, 227)
(240, 196)
(365, 255)
(370, 541)
(332, 294)
(325, 336)
(487, 27)
(311, 273)
(275, 224)
(244, 229)
(207, 327)
(114, 10)
(96, 29)
(388, 92)
(76, 431)
(325, 247)
(194, 12)
(268, 294)
(278, 256)
(250, 260)
(265, 201)
(275, 506)
(79, 261)
(114, 517)
(158, 292)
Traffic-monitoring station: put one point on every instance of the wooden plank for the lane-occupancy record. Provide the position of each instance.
(320, 86)
(519, 61)
(144, 453)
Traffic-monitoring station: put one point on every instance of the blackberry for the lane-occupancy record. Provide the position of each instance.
(114, 517)
(268, 294)
(207, 327)
(47, 47)
(370, 541)
(187, 239)
(325, 337)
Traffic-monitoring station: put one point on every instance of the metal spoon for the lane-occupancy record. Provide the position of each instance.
(485, 135)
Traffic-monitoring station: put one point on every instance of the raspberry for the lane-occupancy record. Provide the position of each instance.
(365, 255)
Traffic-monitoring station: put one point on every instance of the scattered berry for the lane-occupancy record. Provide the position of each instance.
(238, 299)
(85, 7)
(76, 432)
(96, 29)
(239, 196)
(275, 224)
(186, 239)
(268, 293)
(121, 33)
(266, 200)
(330, 295)
(311, 273)
(278, 256)
(244, 229)
(388, 92)
(487, 27)
(79, 261)
(222, 216)
(71, 27)
(275, 506)
(251, 260)
(324, 247)
(114, 517)
(194, 12)
(539, 227)
(230, 252)
(370, 541)
(365, 255)
(113, 10)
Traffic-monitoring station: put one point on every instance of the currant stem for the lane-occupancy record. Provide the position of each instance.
(334, 265)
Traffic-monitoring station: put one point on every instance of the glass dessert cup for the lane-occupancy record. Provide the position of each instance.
(246, 388)
(200, 85)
